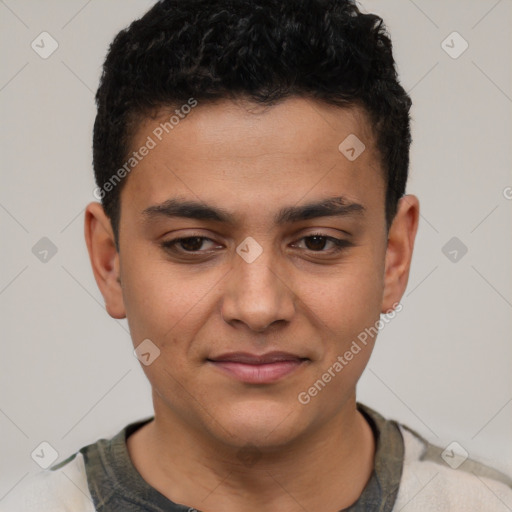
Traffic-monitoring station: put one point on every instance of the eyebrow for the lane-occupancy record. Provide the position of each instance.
(331, 207)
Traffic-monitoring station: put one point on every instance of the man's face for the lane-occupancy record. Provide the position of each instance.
(211, 296)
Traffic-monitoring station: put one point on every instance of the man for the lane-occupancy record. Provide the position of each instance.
(251, 161)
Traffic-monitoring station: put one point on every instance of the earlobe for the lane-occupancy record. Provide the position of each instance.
(104, 258)
(401, 237)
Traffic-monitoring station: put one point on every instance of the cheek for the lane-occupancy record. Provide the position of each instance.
(163, 300)
(350, 299)
(348, 307)
(153, 297)
(347, 310)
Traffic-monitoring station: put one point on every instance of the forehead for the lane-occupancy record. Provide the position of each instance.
(244, 154)
(296, 126)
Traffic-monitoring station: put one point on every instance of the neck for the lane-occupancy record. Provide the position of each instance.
(325, 470)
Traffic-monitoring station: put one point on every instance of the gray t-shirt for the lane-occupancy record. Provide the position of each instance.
(115, 484)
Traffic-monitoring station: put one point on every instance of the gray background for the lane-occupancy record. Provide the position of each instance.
(443, 366)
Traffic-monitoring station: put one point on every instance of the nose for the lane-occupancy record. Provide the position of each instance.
(258, 294)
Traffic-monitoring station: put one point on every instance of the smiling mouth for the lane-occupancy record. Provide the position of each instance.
(258, 369)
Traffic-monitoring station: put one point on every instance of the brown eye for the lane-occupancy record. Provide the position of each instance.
(189, 244)
(192, 243)
(317, 243)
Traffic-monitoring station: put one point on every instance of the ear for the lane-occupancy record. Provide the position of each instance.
(401, 236)
(104, 258)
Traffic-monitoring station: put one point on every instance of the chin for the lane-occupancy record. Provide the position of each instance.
(263, 423)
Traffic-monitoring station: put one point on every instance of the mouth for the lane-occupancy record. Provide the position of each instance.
(258, 369)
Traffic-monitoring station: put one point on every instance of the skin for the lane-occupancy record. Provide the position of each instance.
(217, 443)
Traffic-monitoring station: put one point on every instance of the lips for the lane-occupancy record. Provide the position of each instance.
(258, 369)
(246, 358)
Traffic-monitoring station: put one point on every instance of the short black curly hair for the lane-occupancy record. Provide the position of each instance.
(263, 50)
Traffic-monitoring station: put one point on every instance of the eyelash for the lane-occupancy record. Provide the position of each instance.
(339, 244)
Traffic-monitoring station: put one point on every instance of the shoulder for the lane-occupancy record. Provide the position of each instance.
(446, 479)
(60, 489)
